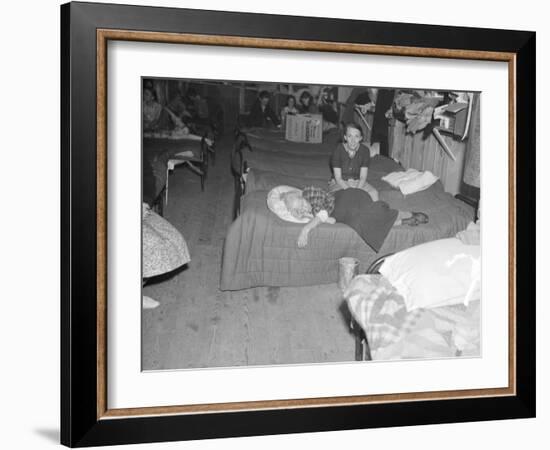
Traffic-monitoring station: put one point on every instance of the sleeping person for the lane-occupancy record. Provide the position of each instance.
(353, 207)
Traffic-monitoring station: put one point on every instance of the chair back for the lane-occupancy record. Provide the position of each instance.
(204, 151)
(237, 159)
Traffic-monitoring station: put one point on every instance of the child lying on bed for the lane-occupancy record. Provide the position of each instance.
(354, 207)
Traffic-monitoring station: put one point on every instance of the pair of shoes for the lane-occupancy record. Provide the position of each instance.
(417, 218)
(149, 303)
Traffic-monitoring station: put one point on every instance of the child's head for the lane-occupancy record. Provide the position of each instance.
(193, 94)
(305, 98)
(353, 135)
(327, 94)
(291, 101)
(264, 97)
(296, 204)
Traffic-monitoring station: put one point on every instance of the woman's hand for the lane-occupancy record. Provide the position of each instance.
(344, 185)
(302, 238)
(363, 177)
(337, 174)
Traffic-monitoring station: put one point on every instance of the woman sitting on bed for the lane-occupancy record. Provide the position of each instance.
(350, 163)
(375, 218)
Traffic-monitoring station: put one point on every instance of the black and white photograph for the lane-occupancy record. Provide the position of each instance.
(291, 223)
(275, 225)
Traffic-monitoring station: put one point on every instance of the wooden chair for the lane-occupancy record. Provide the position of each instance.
(205, 150)
(239, 167)
(211, 133)
(199, 165)
(238, 170)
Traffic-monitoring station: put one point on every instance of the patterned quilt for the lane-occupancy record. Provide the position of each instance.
(260, 248)
(392, 332)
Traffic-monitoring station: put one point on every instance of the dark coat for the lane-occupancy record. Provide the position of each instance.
(259, 118)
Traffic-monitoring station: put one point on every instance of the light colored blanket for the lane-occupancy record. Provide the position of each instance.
(394, 333)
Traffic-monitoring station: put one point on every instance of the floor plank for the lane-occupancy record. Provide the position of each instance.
(197, 325)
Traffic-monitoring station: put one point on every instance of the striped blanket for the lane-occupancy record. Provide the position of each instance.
(394, 333)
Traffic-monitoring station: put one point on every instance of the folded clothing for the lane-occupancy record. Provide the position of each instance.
(410, 181)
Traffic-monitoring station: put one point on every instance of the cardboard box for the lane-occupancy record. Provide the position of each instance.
(304, 128)
(453, 118)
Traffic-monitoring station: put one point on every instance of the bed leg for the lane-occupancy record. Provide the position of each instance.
(366, 355)
(237, 199)
(358, 348)
(362, 350)
(357, 335)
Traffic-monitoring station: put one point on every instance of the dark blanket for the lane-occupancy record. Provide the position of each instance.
(371, 220)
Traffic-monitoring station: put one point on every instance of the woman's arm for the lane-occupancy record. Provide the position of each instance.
(271, 114)
(338, 178)
(363, 177)
(311, 225)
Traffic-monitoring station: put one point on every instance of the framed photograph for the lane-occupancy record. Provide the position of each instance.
(278, 224)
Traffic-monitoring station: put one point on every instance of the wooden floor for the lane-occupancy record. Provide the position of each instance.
(197, 325)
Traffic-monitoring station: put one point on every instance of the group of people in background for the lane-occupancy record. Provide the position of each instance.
(189, 111)
(263, 115)
(367, 107)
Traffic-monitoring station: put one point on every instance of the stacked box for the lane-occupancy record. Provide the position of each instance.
(304, 128)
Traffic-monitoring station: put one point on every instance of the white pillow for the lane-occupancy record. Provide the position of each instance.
(410, 181)
(422, 181)
(395, 178)
(278, 207)
(438, 273)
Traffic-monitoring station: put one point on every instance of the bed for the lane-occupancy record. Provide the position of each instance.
(157, 151)
(385, 330)
(273, 140)
(260, 249)
(264, 150)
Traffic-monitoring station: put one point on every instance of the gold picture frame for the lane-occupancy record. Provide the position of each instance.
(85, 37)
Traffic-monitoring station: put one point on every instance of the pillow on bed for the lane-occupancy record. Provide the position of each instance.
(438, 273)
(278, 207)
(410, 181)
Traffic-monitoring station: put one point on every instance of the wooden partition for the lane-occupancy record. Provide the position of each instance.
(419, 152)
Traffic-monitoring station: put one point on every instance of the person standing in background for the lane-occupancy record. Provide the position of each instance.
(380, 124)
(261, 113)
(369, 108)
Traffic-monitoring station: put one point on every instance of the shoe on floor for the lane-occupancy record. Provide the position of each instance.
(149, 303)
